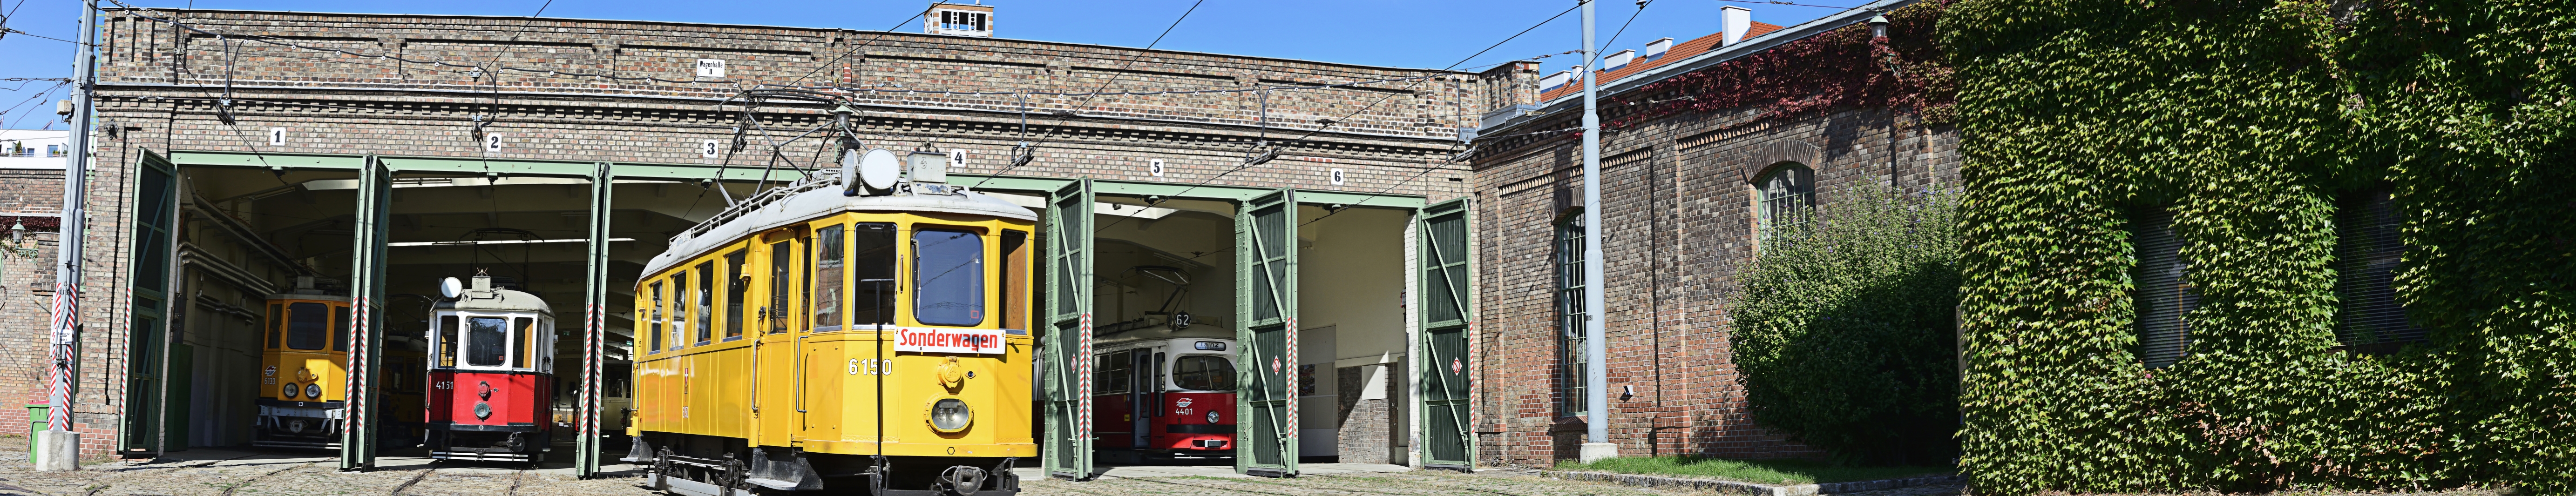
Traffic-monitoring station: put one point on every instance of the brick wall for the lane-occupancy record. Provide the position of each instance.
(1677, 221)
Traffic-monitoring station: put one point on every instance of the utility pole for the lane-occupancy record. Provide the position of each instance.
(58, 446)
(1596, 369)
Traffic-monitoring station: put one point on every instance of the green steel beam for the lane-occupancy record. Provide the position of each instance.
(692, 172)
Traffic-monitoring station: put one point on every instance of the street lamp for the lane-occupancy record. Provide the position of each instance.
(1878, 26)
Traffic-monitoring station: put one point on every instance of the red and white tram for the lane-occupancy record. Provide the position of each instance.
(1161, 391)
(491, 383)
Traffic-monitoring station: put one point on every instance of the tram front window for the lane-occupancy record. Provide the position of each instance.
(1203, 373)
(308, 326)
(487, 342)
(948, 278)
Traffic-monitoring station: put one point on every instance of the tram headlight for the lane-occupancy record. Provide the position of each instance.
(950, 414)
(288, 390)
(482, 410)
(313, 391)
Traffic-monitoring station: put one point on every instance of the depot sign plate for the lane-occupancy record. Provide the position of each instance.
(949, 340)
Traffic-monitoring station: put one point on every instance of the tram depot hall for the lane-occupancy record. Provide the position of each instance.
(1308, 214)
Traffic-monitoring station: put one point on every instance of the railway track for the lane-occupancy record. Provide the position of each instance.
(415, 479)
(228, 490)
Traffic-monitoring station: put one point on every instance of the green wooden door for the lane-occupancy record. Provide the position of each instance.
(1066, 349)
(156, 192)
(366, 304)
(1448, 318)
(1265, 257)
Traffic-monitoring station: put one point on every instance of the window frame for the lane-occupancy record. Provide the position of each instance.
(1569, 243)
(1770, 195)
(981, 305)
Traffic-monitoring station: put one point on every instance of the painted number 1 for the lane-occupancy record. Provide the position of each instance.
(276, 136)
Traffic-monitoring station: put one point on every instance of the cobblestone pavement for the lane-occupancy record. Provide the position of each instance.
(218, 472)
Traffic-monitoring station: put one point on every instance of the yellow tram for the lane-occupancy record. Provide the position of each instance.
(787, 342)
(302, 369)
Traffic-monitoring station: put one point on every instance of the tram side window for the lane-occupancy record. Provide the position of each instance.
(781, 293)
(276, 324)
(488, 342)
(340, 329)
(948, 277)
(705, 298)
(1015, 279)
(447, 341)
(1203, 373)
(735, 285)
(307, 325)
(654, 319)
(680, 309)
(527, 339)
(872, 263)
(826, 280)
(1111, 373)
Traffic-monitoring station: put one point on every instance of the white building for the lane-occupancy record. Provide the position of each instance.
(34, 148)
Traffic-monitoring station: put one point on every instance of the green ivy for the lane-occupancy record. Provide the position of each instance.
(1844, 333)
(2247, 120)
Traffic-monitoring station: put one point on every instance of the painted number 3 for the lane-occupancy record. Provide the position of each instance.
(707, 149)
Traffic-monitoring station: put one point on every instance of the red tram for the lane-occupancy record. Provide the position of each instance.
(491, 382)
(1160, 392)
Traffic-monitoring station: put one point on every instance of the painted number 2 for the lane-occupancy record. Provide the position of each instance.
(492, 142)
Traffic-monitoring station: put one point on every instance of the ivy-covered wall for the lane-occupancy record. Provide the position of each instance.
(2248, 120)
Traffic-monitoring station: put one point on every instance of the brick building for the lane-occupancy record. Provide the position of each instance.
(1684, 196)
(256, 120)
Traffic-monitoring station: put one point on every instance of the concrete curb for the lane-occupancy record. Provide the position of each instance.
(1748, 488)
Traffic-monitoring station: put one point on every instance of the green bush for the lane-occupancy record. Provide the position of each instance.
(1843, 330)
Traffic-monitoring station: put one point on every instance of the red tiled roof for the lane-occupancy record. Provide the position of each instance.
(1679, 52)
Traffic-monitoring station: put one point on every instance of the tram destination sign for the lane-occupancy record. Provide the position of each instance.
(948, 340)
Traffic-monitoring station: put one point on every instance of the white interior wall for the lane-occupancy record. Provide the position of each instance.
(1351, 278)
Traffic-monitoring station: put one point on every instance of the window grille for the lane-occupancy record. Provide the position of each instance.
(1569, 309)
(2367, 251)
(1785, 196)
(2162, 293)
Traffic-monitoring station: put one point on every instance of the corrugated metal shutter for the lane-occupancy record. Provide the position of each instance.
(2162, 295)
(2367, 251)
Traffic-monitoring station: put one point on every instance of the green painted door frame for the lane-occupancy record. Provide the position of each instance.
(1266, 304)
(1066, 349)
(367, 263)
(1448, 316)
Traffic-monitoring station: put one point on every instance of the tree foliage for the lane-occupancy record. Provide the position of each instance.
(1844, 333)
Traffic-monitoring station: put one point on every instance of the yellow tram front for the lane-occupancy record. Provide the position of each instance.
(792, 339)
(302, 369)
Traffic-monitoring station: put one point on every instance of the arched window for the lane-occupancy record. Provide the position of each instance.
(1783, 198)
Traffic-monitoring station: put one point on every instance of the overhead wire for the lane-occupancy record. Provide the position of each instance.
(1029, 150)
(1408, 89)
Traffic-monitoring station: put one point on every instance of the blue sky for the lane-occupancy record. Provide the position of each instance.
(1417, 34)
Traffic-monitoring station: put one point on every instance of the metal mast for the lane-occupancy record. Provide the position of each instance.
(58, 447)
(1596, 387)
